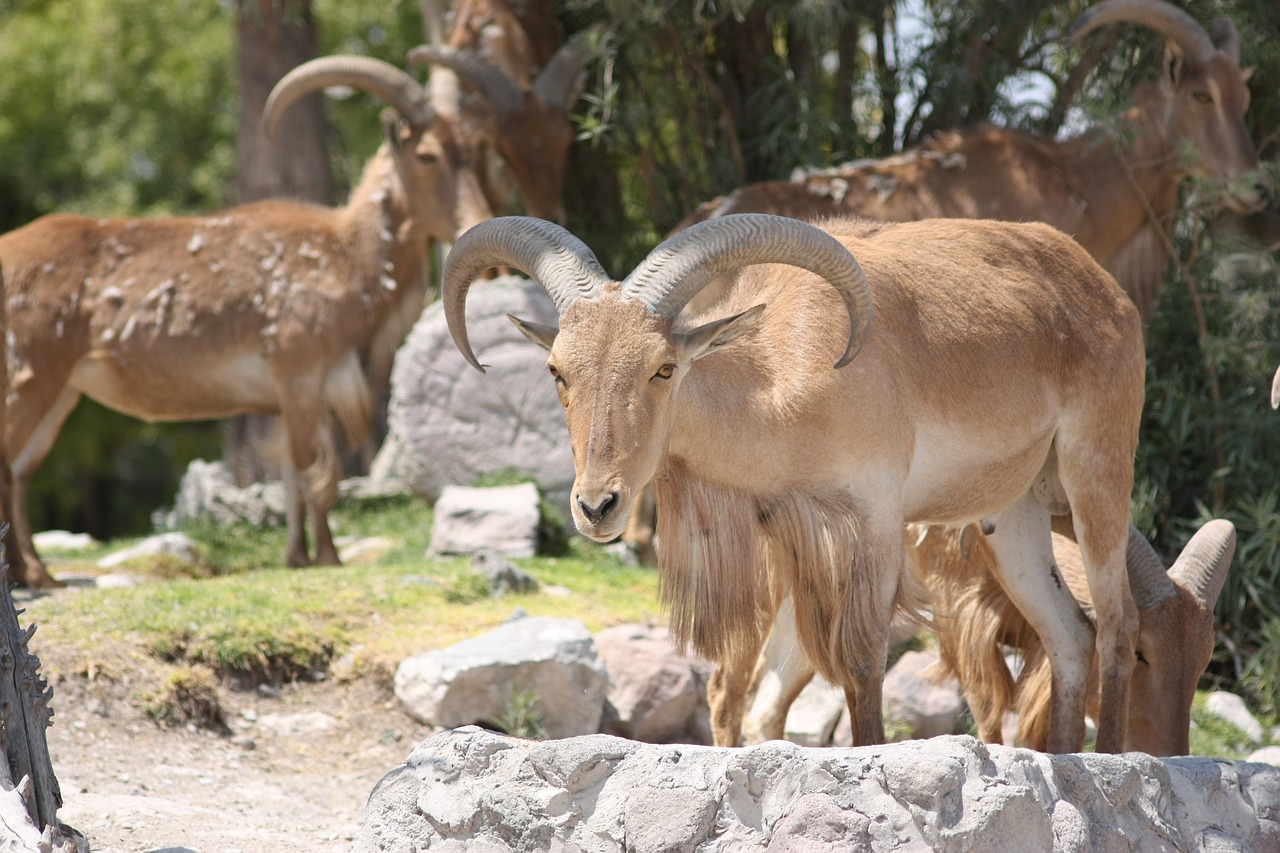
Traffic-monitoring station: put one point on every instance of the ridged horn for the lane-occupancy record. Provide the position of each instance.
(1226, 37)
(1202, 566)
(1148, 580)
(1275, 390)
(561, 82)
(551, 256)
(1166, 19)
(686, 262)
(378, 78)
(493, 84)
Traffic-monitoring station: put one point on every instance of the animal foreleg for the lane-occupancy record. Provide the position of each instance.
(727, 693)
(1023, 550)
(782, 671)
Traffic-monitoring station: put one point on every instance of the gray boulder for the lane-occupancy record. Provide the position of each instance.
(472, 790)
(449, 423)
(501, 519)
(209, 489)
(474, 681)
(1231, 708)
(656, 694)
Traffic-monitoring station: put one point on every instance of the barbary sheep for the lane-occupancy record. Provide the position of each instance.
(274, 307)
(977, 625)
(1000, 355)
(1115, 193)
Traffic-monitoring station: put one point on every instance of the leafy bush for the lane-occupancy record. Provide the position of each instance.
(1210, 443)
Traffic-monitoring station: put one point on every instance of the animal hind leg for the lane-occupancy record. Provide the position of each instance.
(727, 692)
(1023, 550)
(34, 420)
(313, 457)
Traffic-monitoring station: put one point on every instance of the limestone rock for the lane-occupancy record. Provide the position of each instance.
(1230, 707)
(176, 545)
(209, 489)
(501, 519)
(473, 681)
(473, 790)
(914, 699)
(450, 423)
(812, 719)
(501, 575)
(657, 695)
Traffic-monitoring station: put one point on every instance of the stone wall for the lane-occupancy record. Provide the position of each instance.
(468, 789)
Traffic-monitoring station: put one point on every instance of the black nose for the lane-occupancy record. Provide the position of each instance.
(595, 513)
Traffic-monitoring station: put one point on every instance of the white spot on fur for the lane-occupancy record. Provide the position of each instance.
(129, 326)
(160, 292)
(389, 283)
(196, 243)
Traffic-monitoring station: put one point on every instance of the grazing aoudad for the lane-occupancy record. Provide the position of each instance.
(977, 625)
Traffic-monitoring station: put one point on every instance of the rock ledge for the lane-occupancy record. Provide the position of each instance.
(470, 789)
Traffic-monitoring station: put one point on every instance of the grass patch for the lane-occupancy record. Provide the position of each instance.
(1212, 735)
(188, 696)
(253, 621)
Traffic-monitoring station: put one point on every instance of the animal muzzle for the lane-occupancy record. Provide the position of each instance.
(1249, 194)
(600, 514)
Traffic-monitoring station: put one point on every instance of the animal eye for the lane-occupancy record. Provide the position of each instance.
(1137, 653)
(1203, 97)
(555, 374)
(665, 372)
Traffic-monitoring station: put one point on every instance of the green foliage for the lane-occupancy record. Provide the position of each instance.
(1260, 670)
(115, 107)
(521, 717)
(463, 586)
(1208, 443)
(1212, 735)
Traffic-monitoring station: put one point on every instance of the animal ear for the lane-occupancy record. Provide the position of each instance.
(543, 336)
(1247, 72)
(717, 333)
(390, 127)
(1172, 65)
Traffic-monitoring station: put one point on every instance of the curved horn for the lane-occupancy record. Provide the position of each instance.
(1148, 581)
(1164, 18)
(1226, 37)
(1275, 390)
(552, 257)
(686, 262)
(561, 82)
(1202, 566)
(374, 76)
(493, 84)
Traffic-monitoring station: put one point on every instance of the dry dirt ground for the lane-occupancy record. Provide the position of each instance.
(293, 773)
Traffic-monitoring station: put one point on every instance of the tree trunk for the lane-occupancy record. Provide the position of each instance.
(272, 39)
(29, 793)
(745, 51)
